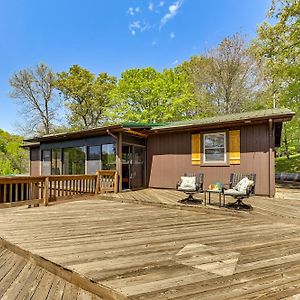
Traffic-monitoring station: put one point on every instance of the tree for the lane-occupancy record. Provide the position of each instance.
(226, 78)
(34, 89)
(146, 95)
(13, 159)
(278, 48)
(86, 96)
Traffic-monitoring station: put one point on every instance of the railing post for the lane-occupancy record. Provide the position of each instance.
(116, 182)
(97, 182)
(46, 191)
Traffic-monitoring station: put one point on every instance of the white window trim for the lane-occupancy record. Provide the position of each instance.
(225, 148)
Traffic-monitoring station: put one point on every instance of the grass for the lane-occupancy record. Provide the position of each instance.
(291, 165)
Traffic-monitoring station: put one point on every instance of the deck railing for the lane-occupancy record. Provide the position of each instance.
(31, 190)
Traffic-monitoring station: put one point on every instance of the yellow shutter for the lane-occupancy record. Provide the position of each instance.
(234, 147)
(196, 146)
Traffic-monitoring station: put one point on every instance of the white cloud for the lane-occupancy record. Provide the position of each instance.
(151, 6)
(153, 43)
(173, 10)
(133, 10)
(161, 4)
(175, 62)
(172, 35)
(138, 25)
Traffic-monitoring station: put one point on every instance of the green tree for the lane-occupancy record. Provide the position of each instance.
(146, 95)
(34, 89)
(278, 48)
(86, 96)
(227, 78)
(13, 159)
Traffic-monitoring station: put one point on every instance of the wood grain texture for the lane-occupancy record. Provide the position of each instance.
(156, 252)
(22, 279)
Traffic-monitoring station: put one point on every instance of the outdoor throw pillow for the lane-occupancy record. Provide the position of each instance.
(188, 182)
(243, 184)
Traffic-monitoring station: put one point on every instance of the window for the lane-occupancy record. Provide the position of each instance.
(108, 156)
(74, 160)
(93, 159)
(46, 162)
(94, 153)
(56, 162)
(215, 147)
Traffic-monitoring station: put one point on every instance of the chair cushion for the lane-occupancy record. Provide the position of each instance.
(234, 192)
(187, 183)
(243, 185)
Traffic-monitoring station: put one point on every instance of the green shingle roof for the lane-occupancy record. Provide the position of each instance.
(268, 113)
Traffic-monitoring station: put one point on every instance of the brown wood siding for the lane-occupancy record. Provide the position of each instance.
(35, 162)
(169, 156)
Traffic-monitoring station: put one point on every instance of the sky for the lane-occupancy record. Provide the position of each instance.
(113, 35)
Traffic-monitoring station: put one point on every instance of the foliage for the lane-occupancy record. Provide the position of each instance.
(86, 96)
(227, 79)
(278, 48)
(291, 165)
(146, 95)
(13, 159)
(34, 89)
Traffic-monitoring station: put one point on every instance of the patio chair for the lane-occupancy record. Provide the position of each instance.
(241, 186)
(191, 183)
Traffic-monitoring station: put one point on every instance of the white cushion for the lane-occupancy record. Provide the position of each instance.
(188, 182)
(243, 184)
(234, 192)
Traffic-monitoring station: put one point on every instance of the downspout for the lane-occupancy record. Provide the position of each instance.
(271, 161)
(111, 134)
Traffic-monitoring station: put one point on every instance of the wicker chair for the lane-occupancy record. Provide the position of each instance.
(191, 191)
(235, 178)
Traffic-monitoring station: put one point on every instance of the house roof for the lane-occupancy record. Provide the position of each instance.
(276, 113)
(152, 128)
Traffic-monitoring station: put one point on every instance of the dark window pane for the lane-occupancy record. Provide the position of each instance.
(108, 157)
(214, 147)
(74, 160)
(94, 153)
(46, 162)
(56, 162)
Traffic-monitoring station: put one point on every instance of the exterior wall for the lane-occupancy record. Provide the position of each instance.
(169, 156)
(35, 162)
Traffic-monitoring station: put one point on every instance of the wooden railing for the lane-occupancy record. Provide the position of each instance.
(107, 181)
(16, 191)
(29, 190)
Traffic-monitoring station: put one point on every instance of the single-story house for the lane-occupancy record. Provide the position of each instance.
(156, 155)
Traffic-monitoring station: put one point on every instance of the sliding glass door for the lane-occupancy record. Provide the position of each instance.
(133, 167)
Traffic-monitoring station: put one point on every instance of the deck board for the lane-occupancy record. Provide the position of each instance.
(22, 279)
(156, 252)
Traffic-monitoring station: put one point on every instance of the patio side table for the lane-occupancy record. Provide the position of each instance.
(220, 192)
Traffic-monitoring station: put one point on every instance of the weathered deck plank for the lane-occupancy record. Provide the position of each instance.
(152, 252)
(22, 279)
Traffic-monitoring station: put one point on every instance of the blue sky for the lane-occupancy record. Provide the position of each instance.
(111, 36)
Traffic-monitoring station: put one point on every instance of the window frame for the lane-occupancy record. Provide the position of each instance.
(216, 162)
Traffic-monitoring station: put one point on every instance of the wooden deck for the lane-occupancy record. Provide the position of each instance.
(140, 251)
(22, 279)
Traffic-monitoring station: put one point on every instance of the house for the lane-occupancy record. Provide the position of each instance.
(156, 155)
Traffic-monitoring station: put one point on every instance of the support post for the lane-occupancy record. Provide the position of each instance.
(119, 160)
(97, 183)
(116, 184)
(46, 191)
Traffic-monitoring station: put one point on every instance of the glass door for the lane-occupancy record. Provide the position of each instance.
(133, 167)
